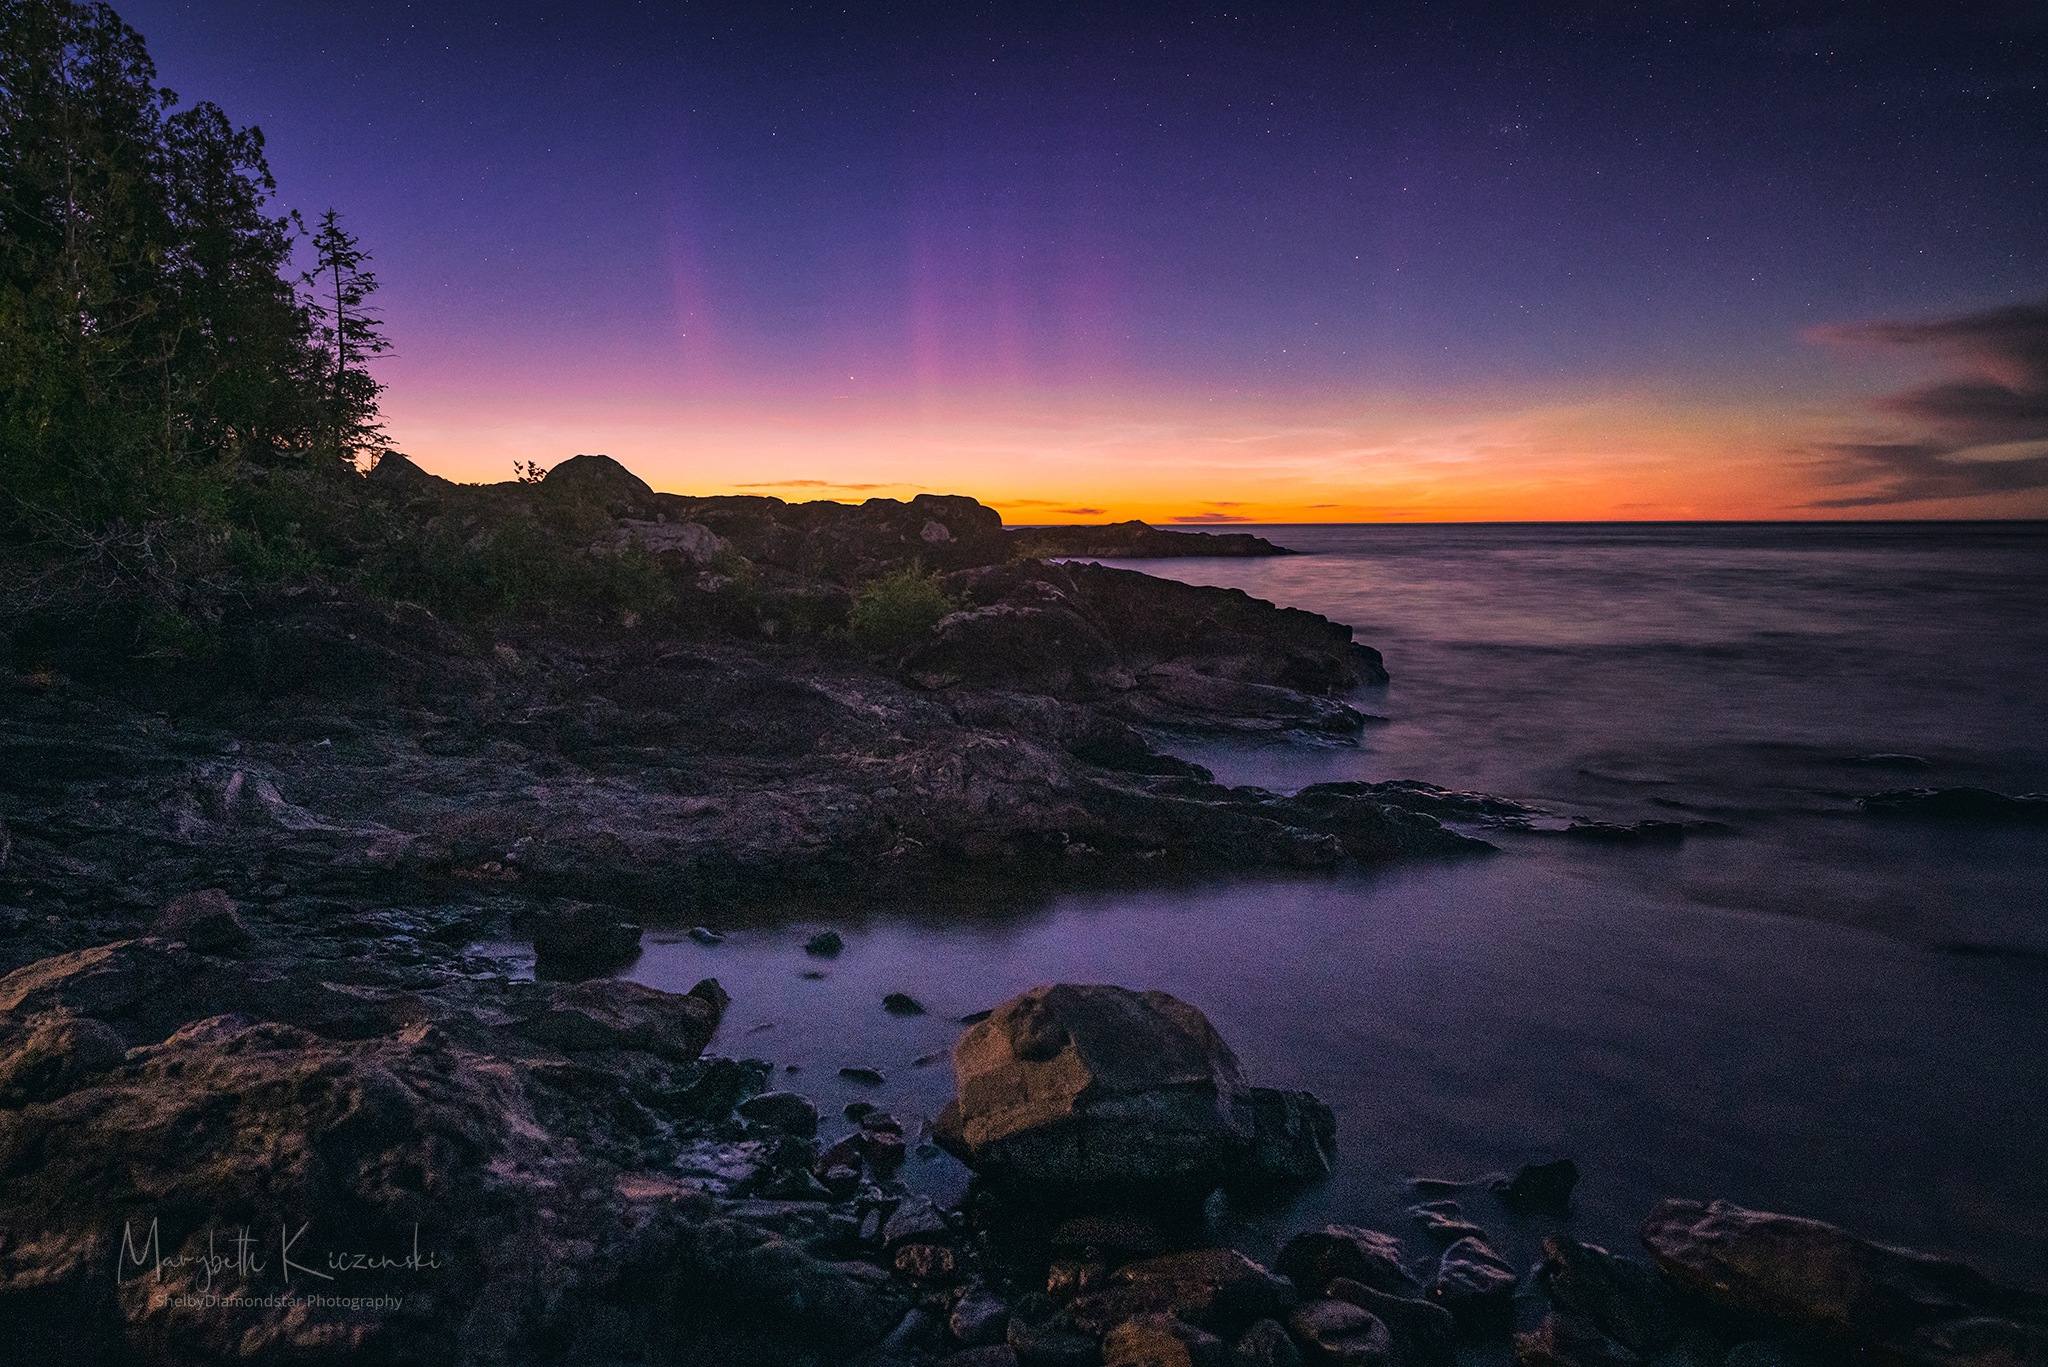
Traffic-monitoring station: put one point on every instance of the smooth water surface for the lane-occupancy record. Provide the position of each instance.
(1819, 1011)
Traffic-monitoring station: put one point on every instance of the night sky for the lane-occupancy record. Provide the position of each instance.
(1295, 261)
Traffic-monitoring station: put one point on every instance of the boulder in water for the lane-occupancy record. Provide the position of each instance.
(1079, 1091)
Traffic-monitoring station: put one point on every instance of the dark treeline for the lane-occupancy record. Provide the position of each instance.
(186, 408)
(179, 404)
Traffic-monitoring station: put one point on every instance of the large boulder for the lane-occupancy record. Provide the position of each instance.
(1076, 1091)
(1781, 1272)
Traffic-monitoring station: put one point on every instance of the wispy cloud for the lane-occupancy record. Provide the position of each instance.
(814, 484)
(1084, 512)
(1211, 517)
(1983, 431)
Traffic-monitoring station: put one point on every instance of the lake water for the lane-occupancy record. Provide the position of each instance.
(1819, 1011)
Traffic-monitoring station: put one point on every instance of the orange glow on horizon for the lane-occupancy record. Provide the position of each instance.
(1200, 462)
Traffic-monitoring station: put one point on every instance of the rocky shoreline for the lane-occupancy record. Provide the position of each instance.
(262, 1100)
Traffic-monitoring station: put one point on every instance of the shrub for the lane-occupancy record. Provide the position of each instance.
(897, 608)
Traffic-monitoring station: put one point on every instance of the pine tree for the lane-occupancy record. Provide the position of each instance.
(341, 291)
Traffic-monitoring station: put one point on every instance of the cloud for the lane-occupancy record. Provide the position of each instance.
(1212, 517)
(813, 484)
(1982, 431)
(1084, 512)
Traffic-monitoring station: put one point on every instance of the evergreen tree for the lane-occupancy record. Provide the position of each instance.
(155, 353)
(341, 290)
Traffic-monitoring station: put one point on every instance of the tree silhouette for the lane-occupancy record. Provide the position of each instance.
(341, 291)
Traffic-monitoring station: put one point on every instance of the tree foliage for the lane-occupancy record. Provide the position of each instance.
(166, 383)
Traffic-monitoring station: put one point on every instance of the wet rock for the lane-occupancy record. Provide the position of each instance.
(704, 935)
(1445, 1221)
(1066, 1278)
(1813, 1278)
(1540, 1188)
(582, 940)
(991, 1355)
(979, 1317)
(785, 1111)
(826, 944)
(1340, 1334)
(1132, 1234)
(1294, 1137)
(928, 1264)
(609, 1013)
(1265, 1344)
(915, 1219)
(51, 1054)
(1074, 1091)
(206, 921)
(1043, 1336)
(919, 1333)
(1215, 1289)
(867, 1077)
(1623, 1297)
(1314, 1257)
(1425, 1333)
(1161, 1341)
(1568, 1341)
(1475, 1284)
(902, 1004)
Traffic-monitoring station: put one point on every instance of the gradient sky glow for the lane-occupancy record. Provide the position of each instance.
(1293, 262)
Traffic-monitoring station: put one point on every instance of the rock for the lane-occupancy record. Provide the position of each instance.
(1314, 1257)
(1215, 1289)
(49, 1055)
(994, 1355)
(141, 980)
(1540, 1188)
(608, 1013)
(1342, 1335)
(1266, 1344)
(1074, 1091)
(1567, 1341)
(826, 944)
(1475, 1284)
(1138, 541)
(1294, 1137)
(915, 1219)
(857, 1111)
(1445, 1221)
(918, 1334)
(581, 940)
(1772, 1353)
(1161, 1341)
(1813, 1278)
(867, 1077)
(785, 1111)
(598, 479)
(206, 921)
(930, 1264)
(1043, 1336)
(902, 1004)
(1622, 1297)
(1425, 1333)
(979, 1317)
(704, 935)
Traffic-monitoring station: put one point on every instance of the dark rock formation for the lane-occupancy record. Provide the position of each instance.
(1213, 1289)
(1623, 1297)
(1314, 1258)
(1078, 1091)
(1161, 1341)
(1475, 1284)
(1963, 806)
(1340, 1334)
(206, 921)
(1782, 1272)
(1426, 1334)
(1565, 1341)
(1137, 541)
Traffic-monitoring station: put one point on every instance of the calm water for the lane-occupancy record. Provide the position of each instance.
(1818, 1012)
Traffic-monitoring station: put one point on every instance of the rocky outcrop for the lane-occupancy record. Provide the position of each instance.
(1077, 1091)
(1138, 541)
(1959, 806)
(1781, 1272)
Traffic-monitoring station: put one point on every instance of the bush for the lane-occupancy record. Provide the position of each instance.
(899, 607)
